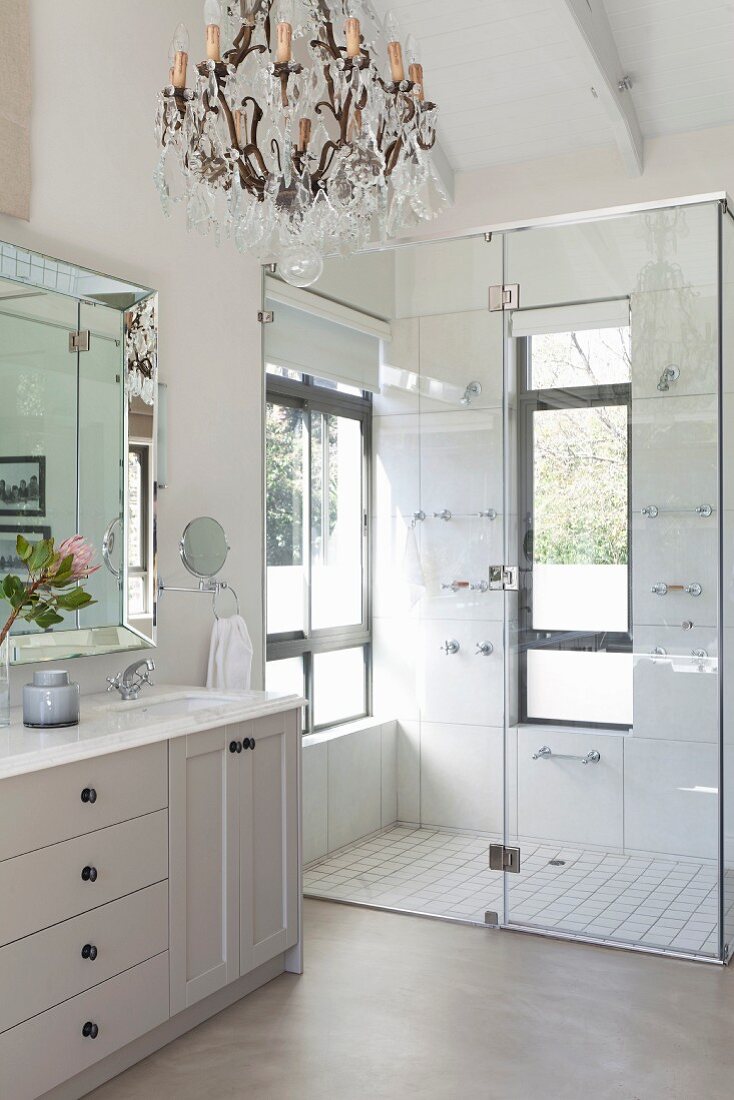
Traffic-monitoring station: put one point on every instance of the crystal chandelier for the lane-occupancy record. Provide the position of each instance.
(292, 139)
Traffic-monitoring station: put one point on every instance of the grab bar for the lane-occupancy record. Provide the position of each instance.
(651, 511)
(545, 753)
(661, 588)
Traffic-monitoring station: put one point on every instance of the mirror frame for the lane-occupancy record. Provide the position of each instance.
(90, 287)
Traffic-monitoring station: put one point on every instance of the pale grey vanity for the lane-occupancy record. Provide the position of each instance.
(149, 877)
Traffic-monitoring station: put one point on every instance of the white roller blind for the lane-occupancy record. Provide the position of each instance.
(315, 336)
(613, 313)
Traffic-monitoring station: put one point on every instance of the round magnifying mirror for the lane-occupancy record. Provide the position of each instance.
(111, 548)
(204, 547)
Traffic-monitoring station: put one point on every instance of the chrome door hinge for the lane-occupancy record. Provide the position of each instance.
(503, 578)
(504, 296)
(80, 341)
(266, 317)
(502, 858)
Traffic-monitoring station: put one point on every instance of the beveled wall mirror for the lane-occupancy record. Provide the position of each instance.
(77, 442)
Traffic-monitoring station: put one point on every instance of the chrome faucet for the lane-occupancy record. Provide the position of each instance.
(130, 682)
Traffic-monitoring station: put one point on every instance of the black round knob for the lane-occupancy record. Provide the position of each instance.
(246, 743)
(89, 795)
(89, 874)
(252, 742)
(90, 1030)
(89, 951)
(233, 746)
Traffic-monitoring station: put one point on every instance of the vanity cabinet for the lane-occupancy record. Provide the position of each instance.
(141, 891)
(233, 816)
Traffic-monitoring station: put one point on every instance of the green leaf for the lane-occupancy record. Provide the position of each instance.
(23, 548)
(48, 618)
(72, 601)
(41, 556)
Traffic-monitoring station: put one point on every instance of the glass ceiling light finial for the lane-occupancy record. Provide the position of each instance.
(302, 139)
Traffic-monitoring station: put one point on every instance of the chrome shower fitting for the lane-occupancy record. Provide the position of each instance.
(660, 588)
(474, 389)
(445, 515)
(450, 647)
(485, 649)
(670, 374)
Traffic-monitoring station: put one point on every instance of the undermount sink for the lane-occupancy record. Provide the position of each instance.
(177, 707)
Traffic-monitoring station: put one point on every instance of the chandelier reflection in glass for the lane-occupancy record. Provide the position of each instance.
(292, 139)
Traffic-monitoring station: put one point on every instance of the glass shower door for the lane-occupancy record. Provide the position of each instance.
(612, 428)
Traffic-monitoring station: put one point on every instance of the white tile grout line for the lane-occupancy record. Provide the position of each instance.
(651, 900)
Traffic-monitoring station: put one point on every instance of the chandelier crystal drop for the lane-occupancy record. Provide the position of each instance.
(293, 140)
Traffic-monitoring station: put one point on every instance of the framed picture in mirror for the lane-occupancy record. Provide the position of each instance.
(9, 560)
(23, 486)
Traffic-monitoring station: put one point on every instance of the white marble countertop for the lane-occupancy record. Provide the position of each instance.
(109, 725)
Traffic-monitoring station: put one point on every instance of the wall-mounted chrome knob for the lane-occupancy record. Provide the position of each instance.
(445, 515)
(659, 651)
(485, 649)
(687, 624)
(592, 757)
(700, 653)
(489, 514)
(451, 646)
(660, 588)
(670, 374)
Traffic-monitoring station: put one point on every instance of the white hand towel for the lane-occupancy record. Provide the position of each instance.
(412, 568)
(230, 655)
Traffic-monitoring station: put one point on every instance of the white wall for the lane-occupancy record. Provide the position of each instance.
(676, 165)
(96, 71)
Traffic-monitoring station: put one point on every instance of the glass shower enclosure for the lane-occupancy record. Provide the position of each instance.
(552, 601)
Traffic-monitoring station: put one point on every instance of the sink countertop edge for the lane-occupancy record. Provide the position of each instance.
(24, 750)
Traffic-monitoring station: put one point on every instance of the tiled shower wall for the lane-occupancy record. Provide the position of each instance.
(655, 789)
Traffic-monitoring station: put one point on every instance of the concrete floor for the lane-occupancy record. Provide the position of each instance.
(395, 1007)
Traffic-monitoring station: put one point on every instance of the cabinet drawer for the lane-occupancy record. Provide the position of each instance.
(43, 970)
(45, 887)
(49, 1049)
(45, 807)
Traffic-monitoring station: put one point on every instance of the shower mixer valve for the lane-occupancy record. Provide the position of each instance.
(485, 649)
(450, 647)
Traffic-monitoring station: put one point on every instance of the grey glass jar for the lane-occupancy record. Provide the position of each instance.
(51, 701)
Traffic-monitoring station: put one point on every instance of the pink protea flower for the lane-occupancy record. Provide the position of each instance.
(82, 553)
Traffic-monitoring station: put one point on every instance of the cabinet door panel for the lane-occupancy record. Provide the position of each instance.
(203, 866)
(269, 841)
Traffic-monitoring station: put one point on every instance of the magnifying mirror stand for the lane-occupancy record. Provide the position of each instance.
(210, 587)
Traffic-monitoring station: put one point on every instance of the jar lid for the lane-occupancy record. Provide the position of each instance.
(52, 677)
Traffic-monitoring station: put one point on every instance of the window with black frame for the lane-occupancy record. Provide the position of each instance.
(317, 458)
(574, 468)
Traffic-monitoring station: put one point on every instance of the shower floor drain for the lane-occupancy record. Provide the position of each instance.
(557, 862)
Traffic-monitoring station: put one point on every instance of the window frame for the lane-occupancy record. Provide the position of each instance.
(310, 397)
(529, 402)
(142, 447)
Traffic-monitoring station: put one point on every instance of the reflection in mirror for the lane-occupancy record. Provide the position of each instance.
(204, 547)
(77, 431)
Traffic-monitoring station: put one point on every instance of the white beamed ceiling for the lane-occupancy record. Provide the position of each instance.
(512, 85)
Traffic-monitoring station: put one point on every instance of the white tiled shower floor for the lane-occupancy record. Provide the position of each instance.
(654, 901)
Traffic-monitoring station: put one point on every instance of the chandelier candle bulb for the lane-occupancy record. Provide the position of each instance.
(416, 75)
(354, 34)
(397, 68)
(213, 23)
(304, 134)
(180, 50)
(284, 39)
